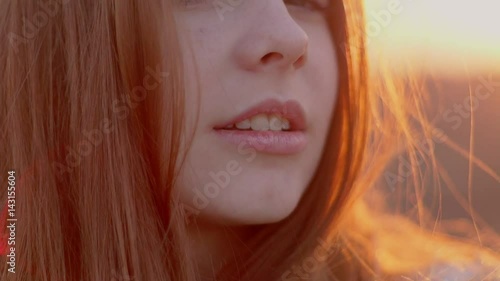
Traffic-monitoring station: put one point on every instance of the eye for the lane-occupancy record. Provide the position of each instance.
(315, 5)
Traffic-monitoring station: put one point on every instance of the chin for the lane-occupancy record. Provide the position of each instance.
(265, 205)
(230, 188)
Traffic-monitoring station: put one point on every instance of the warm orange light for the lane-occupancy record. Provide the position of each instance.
(445, 35)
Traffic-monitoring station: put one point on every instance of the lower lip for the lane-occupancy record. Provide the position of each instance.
(272, 142)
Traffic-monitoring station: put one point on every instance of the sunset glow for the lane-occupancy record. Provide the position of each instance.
(444, 35)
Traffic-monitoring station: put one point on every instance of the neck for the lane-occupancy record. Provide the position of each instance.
(212, 245)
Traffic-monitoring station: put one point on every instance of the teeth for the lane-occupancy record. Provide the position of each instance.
(244, 125)
(286, 124)
(275, 123)
(260, 122)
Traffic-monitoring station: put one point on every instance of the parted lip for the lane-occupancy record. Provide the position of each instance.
(291, 110)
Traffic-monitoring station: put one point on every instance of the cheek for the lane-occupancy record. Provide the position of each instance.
(323, 57)
(323, 80)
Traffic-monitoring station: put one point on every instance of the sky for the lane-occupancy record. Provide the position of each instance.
(450, 36)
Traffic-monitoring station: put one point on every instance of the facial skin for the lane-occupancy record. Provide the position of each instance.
(256, 50)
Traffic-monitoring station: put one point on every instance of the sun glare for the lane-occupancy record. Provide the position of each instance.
(444, 35)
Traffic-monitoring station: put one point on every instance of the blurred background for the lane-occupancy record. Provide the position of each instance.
(456, 45)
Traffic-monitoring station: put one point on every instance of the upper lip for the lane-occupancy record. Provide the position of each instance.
(291, 110)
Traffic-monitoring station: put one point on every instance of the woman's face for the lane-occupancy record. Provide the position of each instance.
(266, 72)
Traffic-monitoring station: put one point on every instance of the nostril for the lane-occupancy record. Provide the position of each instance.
(276, 57)
(271, 57)
(300, 62)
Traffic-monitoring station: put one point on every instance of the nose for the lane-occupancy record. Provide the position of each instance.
(276, 42)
